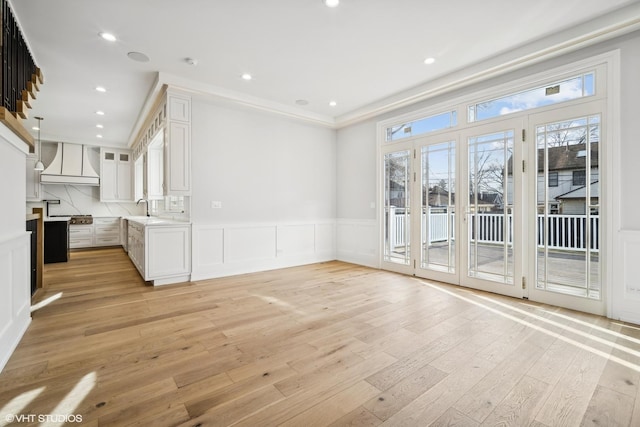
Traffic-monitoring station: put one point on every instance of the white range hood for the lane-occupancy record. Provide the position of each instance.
(70, 166)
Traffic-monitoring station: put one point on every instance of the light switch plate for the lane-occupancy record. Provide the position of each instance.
(216, 204)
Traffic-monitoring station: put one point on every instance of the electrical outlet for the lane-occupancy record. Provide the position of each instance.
(216, 204)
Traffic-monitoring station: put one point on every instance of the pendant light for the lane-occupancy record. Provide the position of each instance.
(39, 165)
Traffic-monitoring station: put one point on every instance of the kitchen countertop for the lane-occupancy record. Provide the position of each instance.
(57, 218)
(33, 216)
(154, 220)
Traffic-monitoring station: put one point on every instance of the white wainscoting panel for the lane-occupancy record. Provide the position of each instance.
(226, 250)
(15, 286)
(209, 242)
(357, 242)
(296, 240)
(625, 289)
(248, 244)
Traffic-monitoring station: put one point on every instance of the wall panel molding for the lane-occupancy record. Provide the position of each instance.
(226, 250)
(357, 242)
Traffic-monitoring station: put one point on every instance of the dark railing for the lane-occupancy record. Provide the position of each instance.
(19, 71)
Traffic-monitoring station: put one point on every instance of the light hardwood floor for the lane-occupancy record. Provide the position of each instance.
(326, 344)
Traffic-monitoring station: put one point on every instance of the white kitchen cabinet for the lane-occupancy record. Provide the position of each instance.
(80, 236)
(116, 169)
(177, 153)
(34, 188)
(106, 231)
(155, 169)
(135, 246)
(161, 252)
(168, 127)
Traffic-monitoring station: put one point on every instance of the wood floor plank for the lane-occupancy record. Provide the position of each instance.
(485, 396)
(608, 408)
(520, 405)
(452, 417)
(429, 406)
(336, 406)
(322, 344)
(359, 417)
(387, 403)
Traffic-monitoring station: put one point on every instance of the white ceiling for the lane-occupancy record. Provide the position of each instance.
(359, 54)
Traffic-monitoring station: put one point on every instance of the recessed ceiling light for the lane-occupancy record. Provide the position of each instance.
(332, 103)
(99, 126)
(100, 113)
(138, 56)
(331, 3)
(429, 61)
(302, 102)
(100, 89)
(247, 76)
(98, 136)
(35, 128)
(108, 37)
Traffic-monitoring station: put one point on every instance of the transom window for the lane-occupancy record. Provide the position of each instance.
(562, 91)
(421, 126)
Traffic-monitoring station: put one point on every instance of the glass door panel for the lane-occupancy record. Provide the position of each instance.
(568, 194)
(397, 207)
(490, 213)
(437, 222)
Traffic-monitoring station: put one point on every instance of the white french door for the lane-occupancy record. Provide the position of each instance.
(567, 207)
(484, 207)
(491, 202)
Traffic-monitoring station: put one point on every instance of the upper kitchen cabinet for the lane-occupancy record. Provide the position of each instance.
(155, 168)
(34, 188)
(116, 169)
(169, 123)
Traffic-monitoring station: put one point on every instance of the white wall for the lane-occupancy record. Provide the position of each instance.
(15, 294)
(357, 161)
(357, 239)
(276, 181)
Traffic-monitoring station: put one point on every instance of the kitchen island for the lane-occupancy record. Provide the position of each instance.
(160, 249)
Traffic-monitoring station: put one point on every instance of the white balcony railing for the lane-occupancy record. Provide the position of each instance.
(564, 232)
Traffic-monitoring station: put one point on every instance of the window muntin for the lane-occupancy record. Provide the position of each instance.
(554, 93)
(425, 125)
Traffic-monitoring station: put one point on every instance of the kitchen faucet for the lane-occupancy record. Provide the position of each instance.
(146, 202)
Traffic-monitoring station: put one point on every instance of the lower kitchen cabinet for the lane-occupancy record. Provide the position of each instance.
(105, 231)
(161, 253)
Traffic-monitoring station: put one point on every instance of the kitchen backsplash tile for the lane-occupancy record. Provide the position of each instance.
(83, 200)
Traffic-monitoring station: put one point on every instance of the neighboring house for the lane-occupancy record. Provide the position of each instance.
(574, 202)
(397, 194)
(567, 172)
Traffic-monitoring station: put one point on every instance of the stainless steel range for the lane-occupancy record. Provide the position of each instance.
(81, 219)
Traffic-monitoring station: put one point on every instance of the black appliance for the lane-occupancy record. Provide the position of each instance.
(56, 241)
(32, 226)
